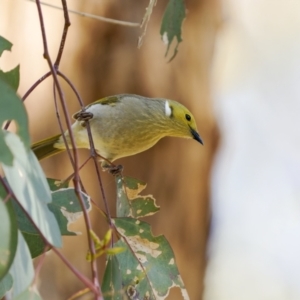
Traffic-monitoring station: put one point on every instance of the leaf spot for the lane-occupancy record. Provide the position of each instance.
(131, 291)
(139, 245)
(165, 38)
(141, 257)
(57, 182)
(70, 216)
(136, 280)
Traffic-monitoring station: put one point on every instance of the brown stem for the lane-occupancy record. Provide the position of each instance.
(82, 278)
(96, 287)
(64, 34)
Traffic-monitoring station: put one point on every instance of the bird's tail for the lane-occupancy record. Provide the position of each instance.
(45, 148)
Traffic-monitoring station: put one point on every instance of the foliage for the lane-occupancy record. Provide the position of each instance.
(172, 23)
(35, 211)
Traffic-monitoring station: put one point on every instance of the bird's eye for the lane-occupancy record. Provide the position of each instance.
(188, 117)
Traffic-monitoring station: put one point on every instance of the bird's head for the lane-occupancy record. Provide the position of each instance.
(182, 122)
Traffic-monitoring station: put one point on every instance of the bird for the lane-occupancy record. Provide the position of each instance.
(123, 125)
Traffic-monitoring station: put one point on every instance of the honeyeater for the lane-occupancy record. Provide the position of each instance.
(123, 125)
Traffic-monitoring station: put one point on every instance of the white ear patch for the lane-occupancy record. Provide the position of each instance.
(168, 110)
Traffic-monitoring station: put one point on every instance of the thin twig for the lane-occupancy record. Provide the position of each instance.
(6, 187)
(92, 148)
(64, 35)
(146, 20)
(85, 214)
(96, 287)
(72, 175)
(68, 81)
(61, 128)
(39, 265)
(99, 18)
(77, 180)
(82, 278)
(102, 190)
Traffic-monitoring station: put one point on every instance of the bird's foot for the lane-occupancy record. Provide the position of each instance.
(114, 170)
(83, 116)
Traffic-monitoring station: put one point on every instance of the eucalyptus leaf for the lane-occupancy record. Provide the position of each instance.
(171, 24)
(135, 281)
(8, 236)
(29, 294)
(129, 201)
(112, 280)
(67, 209)
(22, 270)
(12, 108)
(34, 240)
(35, 243)
(4, 45)
(6, 284)
(11, 77)
(56, 184)
(148, 264)
(30, 187)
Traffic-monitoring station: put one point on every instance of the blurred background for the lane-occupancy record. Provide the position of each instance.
(230, 209)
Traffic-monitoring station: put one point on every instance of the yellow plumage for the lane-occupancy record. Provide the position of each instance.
(124, 125)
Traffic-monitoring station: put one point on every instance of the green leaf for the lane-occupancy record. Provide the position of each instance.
(28, 182)
(32, 237)
(148, 265)
(112, 281)
(129, 202)
(11, 77)
(135, 281)
(21, 270)
(8, 236)
(171, 24)
(5, 285)
(24, 223)
(12, 108)
(4, 45)
(64, 204)
(56, 184)
(29, 294)
(67, 209)
(35, 243)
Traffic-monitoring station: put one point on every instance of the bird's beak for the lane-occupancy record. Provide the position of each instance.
(196, 136)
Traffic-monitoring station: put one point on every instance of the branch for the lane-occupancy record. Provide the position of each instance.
(99, 18)
(96, 288)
